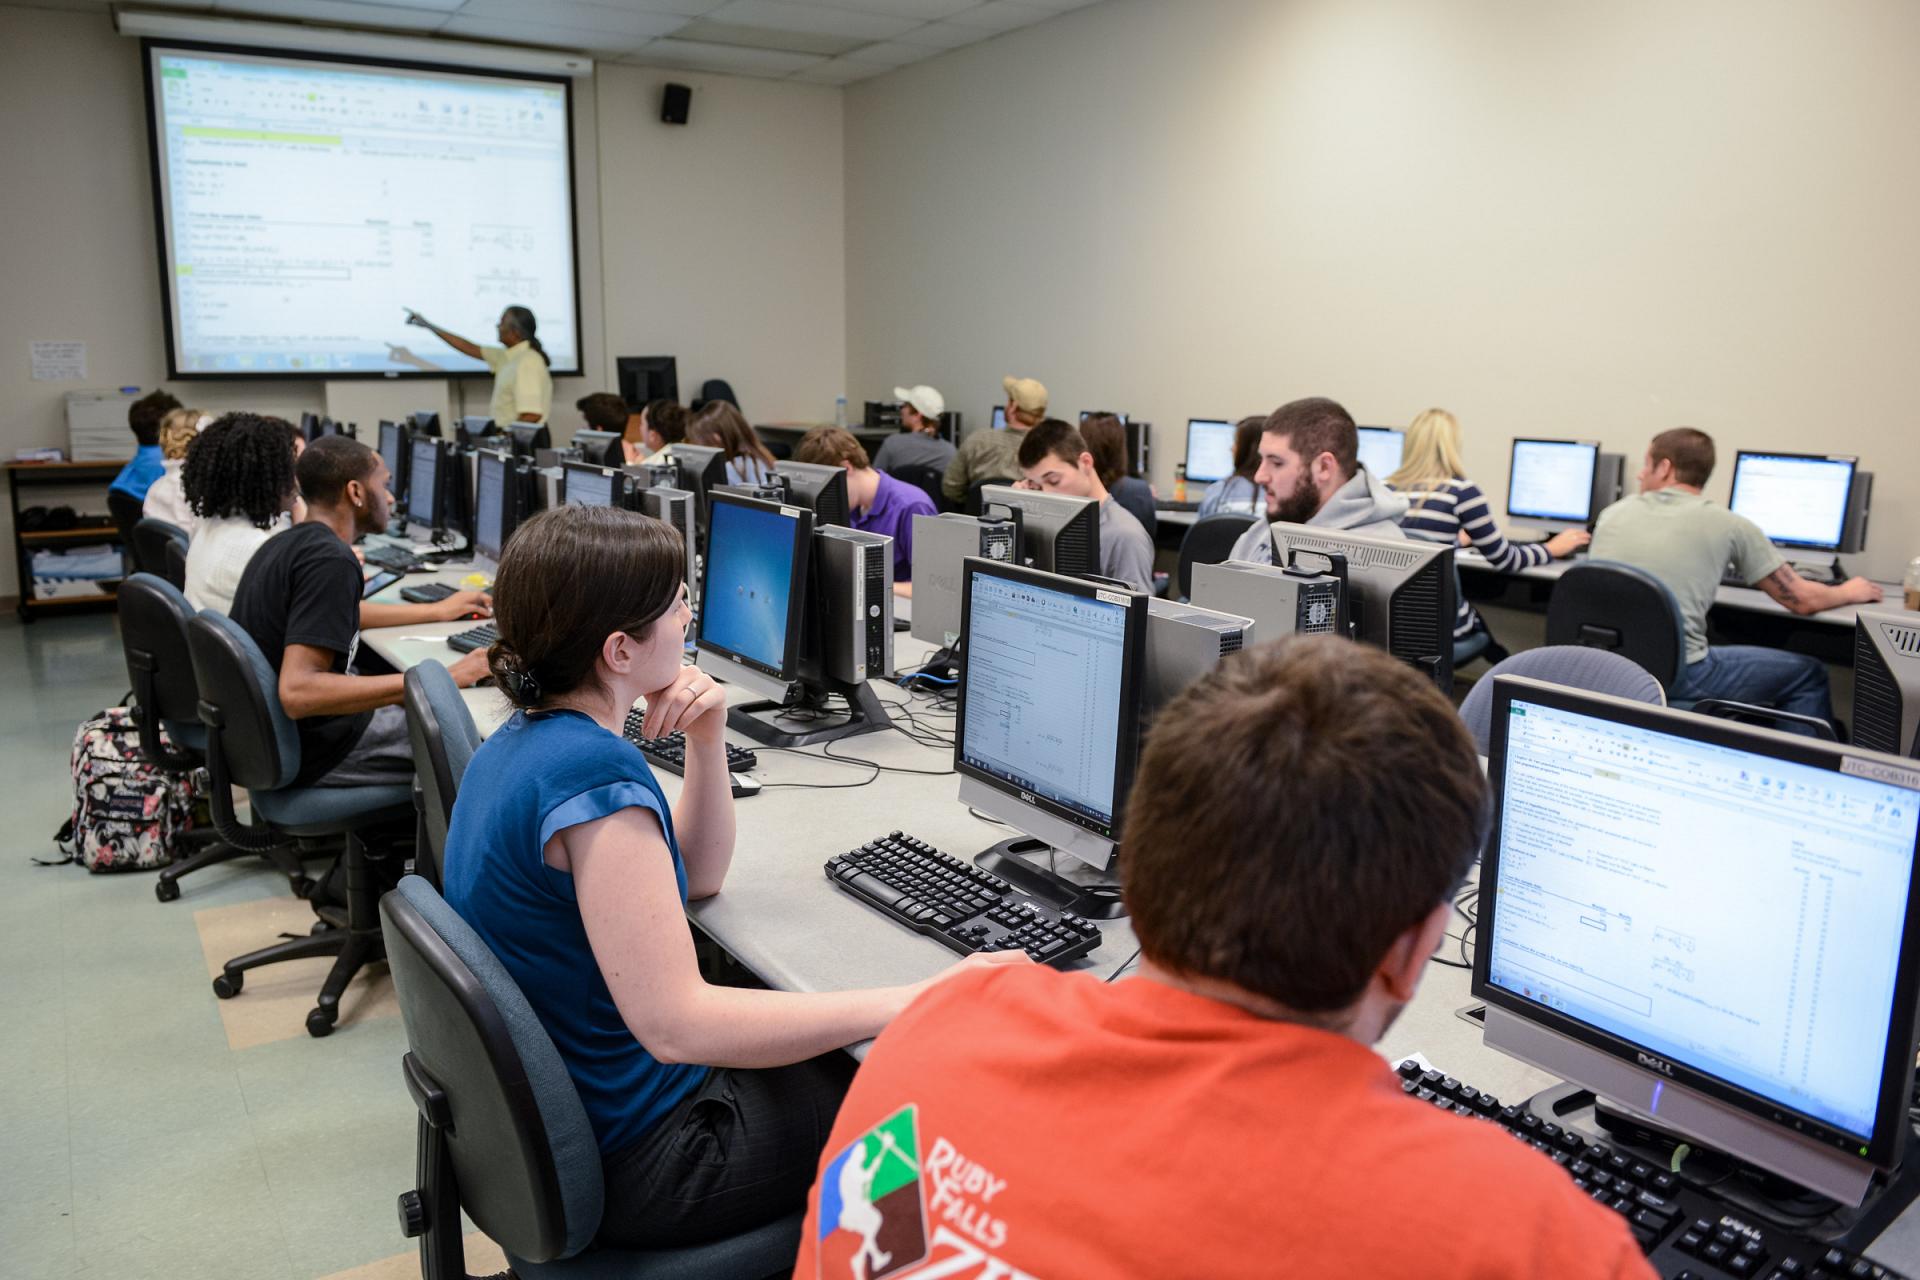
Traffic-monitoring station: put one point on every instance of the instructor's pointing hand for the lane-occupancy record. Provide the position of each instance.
(414, 317)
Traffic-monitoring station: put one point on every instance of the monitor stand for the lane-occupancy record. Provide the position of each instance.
(1011, 861)
(804, 718)
(1745, 1186)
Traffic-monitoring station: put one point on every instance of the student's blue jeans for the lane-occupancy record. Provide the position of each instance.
(1766, 677)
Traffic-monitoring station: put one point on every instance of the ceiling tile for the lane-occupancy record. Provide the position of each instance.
(892, 53)
(700, 29)
(339, 11)
(1058, 6)
(542, 34)
(95, 6)
(839, 71)
(1000, 15)
(924, 10)
(572, 15)
(441, 6)
(698, 56)
(946, 35)
(816, 19)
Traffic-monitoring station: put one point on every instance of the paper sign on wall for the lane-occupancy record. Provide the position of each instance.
(59, 361)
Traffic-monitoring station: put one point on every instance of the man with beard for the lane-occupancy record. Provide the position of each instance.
(1310, 473)
(1302, 817)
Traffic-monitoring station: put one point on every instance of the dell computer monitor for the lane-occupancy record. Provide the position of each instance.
(1058, 534)
(585, 485)
(646, 378)
(1710, 926)
(1380, 449)
(1886, 681)
(529, 438)
(1551, 481)
(425, 422)
(1799, 500)
(426, 484)
(492, 509)
(473, 428)
(819, 488)
(1047, 718)
(754, 586)
(1400, 593)
(702, 468)
(394, 452)
(1209, 450)
(600, 448)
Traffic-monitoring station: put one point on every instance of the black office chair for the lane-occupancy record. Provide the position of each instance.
(714, 389)
(1576, 667)
(1209, 541)
(1603, 604)
(175, 555)
(780, 449)
(972, 507)
(125, 511)
(150, 538)
(927, 480)
(166, 699)
(444, 739)
(502, 1134)
(252, 743)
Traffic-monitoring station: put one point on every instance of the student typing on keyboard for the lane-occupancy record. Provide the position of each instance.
(1300, 821)
(709, 1103)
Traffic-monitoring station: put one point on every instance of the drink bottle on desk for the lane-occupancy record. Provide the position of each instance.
(1913, 583)
(1180, 486)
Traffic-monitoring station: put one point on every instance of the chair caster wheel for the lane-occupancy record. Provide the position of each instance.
(228, 984)
(303, 887)
(320, 927)
(166, 890)
(319, 1024)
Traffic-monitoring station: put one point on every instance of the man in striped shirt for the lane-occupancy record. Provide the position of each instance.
(1455, 510)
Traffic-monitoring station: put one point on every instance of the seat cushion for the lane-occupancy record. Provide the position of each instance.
(188, 734)
(764, 1251)
(325, 811)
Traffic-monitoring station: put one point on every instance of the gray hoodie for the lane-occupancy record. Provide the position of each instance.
(1363, 504)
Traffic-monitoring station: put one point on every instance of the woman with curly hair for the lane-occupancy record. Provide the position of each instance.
(238, 479)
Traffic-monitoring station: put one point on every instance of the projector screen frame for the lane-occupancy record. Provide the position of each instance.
(163, 247)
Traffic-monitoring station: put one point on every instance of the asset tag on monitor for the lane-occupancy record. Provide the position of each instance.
(1111, 597)
(791, 513)
(1880, 771)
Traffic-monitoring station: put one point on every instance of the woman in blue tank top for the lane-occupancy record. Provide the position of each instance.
(710, 1103)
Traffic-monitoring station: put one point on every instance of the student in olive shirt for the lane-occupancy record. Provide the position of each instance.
(300, 601)
(993, 457)
(1688, 541)
(1055, 459)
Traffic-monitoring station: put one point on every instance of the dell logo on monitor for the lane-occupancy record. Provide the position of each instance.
(1653, 1063)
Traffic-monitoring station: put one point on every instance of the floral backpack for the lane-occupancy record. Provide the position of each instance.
(128, 814)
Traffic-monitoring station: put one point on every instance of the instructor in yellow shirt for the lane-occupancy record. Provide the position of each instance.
(522, 387)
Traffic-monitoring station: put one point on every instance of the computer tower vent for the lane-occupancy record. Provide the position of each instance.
(1074, 547)
(1405, 640)
(1231, 642)
(1876, 695)
(1905, 639)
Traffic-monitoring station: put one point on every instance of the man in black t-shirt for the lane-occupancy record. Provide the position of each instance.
(300, 601)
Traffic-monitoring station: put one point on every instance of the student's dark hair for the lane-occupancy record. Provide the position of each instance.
(603, 410)
(1315, 426)
(1690, 452)
(720, 426)
(521, 318)
(1296, 810)
(571, 577)
(241, 465)
(1106, 439)
(1246, 444)
(1052, 436)
(831, 446)
(144, 415)
(668, 418)
(330, 464)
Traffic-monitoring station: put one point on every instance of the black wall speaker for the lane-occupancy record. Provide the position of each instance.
(673, 104)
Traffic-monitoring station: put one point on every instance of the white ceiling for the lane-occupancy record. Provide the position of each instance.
(819, 41)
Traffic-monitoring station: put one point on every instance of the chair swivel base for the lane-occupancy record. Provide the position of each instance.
(214, 851)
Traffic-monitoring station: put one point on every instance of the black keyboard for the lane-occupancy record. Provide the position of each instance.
(427, 593)
(481, 637)
(1684, 1231)
(391, 557)
(1168, 504)
(670, 752)
(956, 903)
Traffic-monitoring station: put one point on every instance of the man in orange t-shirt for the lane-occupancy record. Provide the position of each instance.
(1301, 819)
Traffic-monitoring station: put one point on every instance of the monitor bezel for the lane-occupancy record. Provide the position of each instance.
(789, 667)
(1132, 672)
(617, 498)
(1896, 1068)
(1593, 472)
(1839, 542)
(612, 451)
(436, 516)
(396, 476)
(1187, 460)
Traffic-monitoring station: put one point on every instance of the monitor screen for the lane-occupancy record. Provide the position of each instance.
(490, 504)
(390, 453)
(751, 603)
(1209, 449)
(999, 417)
(421, 489)
(590, 486)
(1380, 449)
(1552, 480)
(1725, 909)
(1797, 500)
(1044, 699)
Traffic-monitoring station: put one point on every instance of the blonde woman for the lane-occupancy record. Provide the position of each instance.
(1445, 506)
(165, 500)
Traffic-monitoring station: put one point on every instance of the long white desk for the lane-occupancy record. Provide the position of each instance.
(781, 918)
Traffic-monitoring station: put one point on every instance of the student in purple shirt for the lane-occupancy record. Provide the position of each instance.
(880, 503)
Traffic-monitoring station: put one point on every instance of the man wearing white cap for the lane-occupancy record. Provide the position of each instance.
(918, 444)
(993, 457)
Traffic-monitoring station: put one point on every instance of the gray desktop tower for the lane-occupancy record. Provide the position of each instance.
(1886, 681)
(855, 573)
(1281, 601)
(1184, 642)
(941, 545)
(676, 507)
(1609, 481)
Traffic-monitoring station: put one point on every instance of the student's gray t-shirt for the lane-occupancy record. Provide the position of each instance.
(913, 449)
(1687, 541)
(1126, 552)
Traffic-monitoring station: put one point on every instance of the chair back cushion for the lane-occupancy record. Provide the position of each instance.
(523, 1153)
(1575, 666)
(444, 739)
(1209, 541)
(240, 704)
(175, 570)
(153, 631)
(927, 480)
(1604, 604)
(150, 538)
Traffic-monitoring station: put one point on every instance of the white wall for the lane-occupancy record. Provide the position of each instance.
(724, 242)
(1589, 219)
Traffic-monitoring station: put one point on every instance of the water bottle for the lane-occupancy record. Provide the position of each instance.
(1180, 482)
(1912, 583)
(840, 412)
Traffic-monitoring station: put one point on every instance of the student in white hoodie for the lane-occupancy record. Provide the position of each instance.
(1310, 473)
